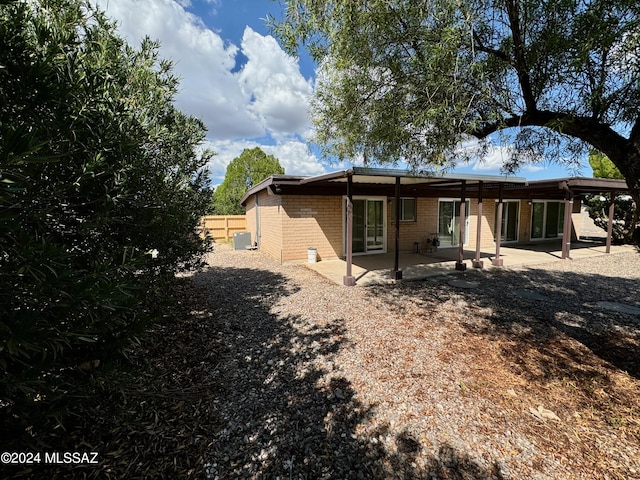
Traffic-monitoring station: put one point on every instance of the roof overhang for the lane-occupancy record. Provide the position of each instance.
(381, 182)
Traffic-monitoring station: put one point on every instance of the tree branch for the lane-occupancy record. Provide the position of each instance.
(491, 51)
(597, 134)
(520, 60)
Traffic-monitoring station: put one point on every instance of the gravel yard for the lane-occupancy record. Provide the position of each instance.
(525, 376)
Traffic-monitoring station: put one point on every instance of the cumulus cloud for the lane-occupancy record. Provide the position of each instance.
(293, 155)
(280, 94)
(268, 96)
(489, 157)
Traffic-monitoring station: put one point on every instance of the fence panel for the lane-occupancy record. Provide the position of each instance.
(222, 227)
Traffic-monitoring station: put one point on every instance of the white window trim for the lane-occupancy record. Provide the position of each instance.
(344, 223)
(467, 214)
(544, 237)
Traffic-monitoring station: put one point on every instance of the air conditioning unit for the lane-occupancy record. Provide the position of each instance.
(241, 240)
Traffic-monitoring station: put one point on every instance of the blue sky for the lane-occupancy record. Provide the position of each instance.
(247, 90)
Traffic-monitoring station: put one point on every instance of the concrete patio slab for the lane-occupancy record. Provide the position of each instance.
(376, 269)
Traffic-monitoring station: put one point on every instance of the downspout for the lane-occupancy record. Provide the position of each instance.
(610, 221)
(257, 221)
(497, 261)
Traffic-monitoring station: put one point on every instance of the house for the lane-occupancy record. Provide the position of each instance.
(362, 211)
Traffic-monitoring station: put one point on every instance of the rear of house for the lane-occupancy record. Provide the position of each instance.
(287, 214)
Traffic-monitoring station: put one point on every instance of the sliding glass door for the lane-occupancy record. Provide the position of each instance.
(547, 220)
(449, 222)
(369, 230)
(510, 221)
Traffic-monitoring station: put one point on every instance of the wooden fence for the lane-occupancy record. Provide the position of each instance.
(222, 227)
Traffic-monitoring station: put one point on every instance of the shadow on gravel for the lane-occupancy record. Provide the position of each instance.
(541, 305)
(229, 389)
(280, 416)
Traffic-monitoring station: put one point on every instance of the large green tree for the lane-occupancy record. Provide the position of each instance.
(412, 79)
(624, 208)
(243, 172)
(101, 190)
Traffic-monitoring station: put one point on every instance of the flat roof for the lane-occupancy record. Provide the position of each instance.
(381, 181)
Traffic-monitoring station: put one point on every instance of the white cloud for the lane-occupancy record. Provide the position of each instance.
(269, 96)
(293, 155)
(273, 80)
(490, 158)
(296, 158)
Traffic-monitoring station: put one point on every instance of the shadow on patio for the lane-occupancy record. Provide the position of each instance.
(376, 269)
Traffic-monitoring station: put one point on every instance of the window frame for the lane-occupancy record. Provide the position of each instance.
(402, 209)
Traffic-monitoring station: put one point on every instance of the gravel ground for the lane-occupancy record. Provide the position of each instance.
(525, 376)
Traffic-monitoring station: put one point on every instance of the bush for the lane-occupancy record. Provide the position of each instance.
(623, 211)
(101, 190)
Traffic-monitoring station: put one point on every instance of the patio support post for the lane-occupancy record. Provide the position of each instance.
(396, 274)
(610, 221)
(460, 265)
(349, 280)
(497, 261)
(566, 230)
(477, 263)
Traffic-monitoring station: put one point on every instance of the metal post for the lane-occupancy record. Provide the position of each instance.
(477, 263)
(610, 221)
(566, 232)
(396, 274)
(349, 280)
(497, 261)
(460, 265)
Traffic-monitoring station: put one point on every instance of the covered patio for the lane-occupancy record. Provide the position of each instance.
(364, 215)
(377, 269)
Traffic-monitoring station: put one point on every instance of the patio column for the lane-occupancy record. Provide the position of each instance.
(460, 265)
(610, 221)
(497, 261)
(396, 274)
(566, 232)
(349, 280)
(477, 263)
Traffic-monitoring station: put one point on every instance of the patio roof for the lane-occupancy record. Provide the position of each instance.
(382, 182)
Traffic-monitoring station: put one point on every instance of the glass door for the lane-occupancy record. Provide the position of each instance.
(375, 225)
(449, 222)
(359, 226)
(510, 216)
(547, 220)
(368, 226)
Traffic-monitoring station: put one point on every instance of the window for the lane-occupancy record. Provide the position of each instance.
(408, 209)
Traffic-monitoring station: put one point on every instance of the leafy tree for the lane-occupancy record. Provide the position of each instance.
(101, 191)
(603, 167)
(412, 79)
(623, 206)
(245, 171)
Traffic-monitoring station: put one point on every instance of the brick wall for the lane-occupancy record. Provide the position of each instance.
(267, 213)
(290, 224)
(311, 221)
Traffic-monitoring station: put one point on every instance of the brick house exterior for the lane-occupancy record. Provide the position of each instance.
(288, 214)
